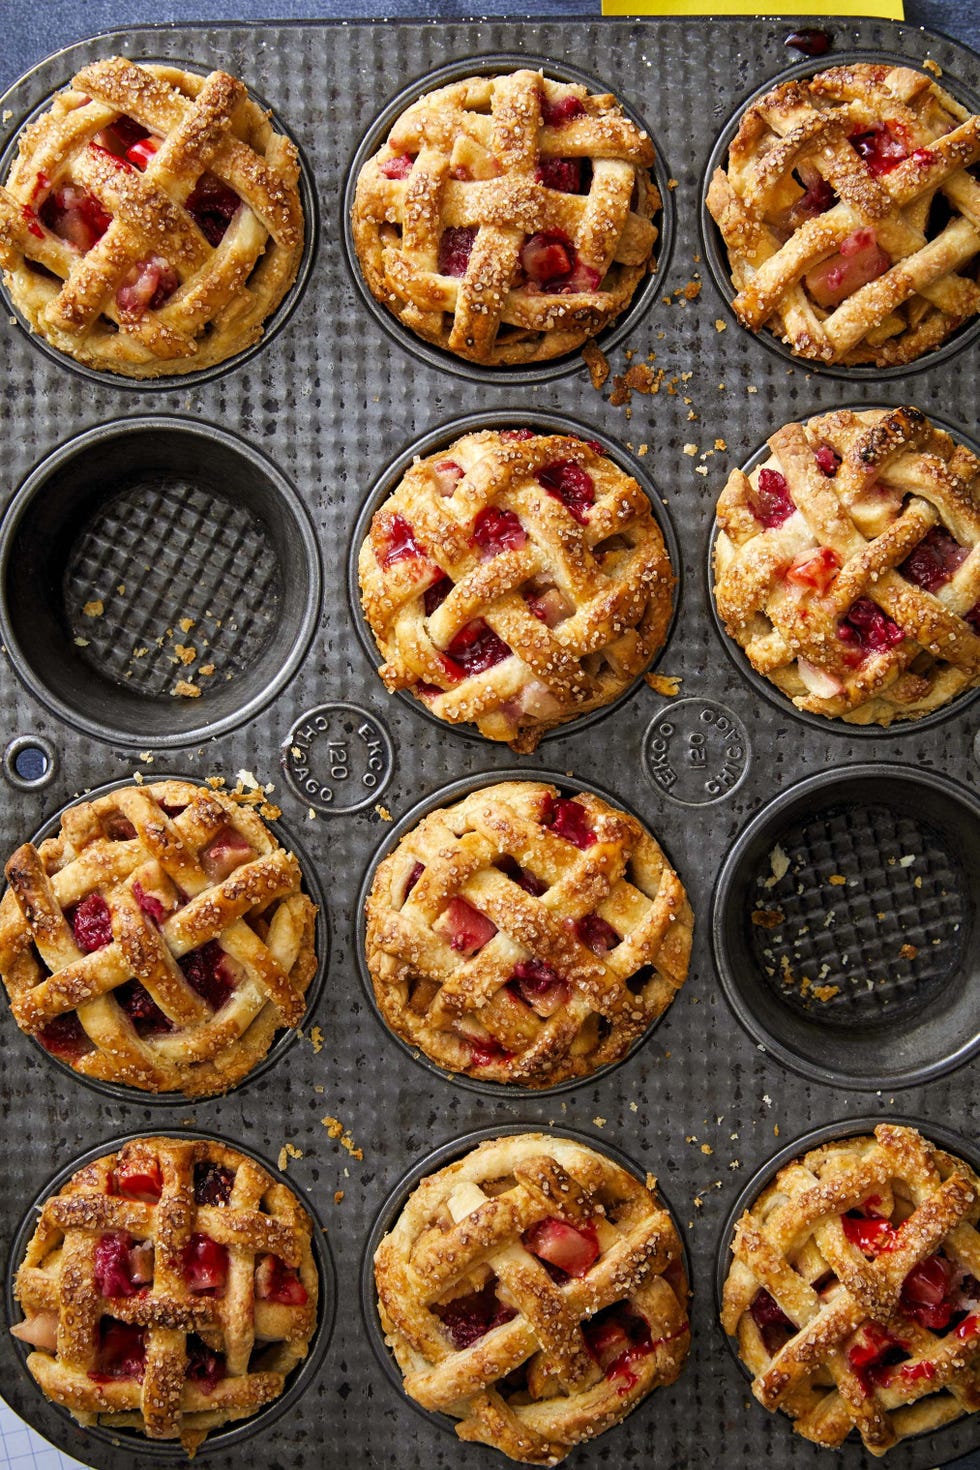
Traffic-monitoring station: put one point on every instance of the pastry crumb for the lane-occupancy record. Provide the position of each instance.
(597, 363)
(651, 1181)
(690, 449)
(383, 812)
(94, 609)
(767, 918)
(335, 1129)
(720, 326)
(779, 864)
(185, 624)
(667, 684)
(706, 1148)
(908, 951)
(186, 690)
(187, 653)
(316, 1038)
(146, 757)
(81, 642)
(930, 65)
(837, 880)
(206, 670)
(287, 1152)
(338, 1195)
(599, 1122)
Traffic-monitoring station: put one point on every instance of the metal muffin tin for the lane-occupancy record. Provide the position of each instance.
(332, 399)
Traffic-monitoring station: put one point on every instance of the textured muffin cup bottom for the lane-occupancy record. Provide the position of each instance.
(447, 796)
(837, 726)
(876, 983)
(140, 553)
(284, 1040)
(277, 318)
(921, 1452)
(716, 253)
(441, 438)
(120, 1449)
(440, 1158)
(645, 294)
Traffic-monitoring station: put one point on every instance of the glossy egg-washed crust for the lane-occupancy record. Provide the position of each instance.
(56, 1276)
(259, 915)
(477, 145)
(464, 1223)
(899, 479)
(612, 571)
(931, 286)
(455, 1008)
(208, 125)
(792, 1244)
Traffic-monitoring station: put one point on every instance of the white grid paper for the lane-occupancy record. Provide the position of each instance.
(22, 1449)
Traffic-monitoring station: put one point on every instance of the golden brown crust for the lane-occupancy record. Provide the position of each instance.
(209, 872)
(591, 945)
(476, 149)
(464, 1230)
(850, 161)
(93, 298)
(258, 1340)
(903, 503)
(578, 591)
(869, 1249)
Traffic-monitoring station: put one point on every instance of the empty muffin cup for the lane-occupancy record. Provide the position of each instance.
(159, 581)
(844, 926)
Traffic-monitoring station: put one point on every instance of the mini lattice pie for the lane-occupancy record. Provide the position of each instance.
(535, 1291)
(524, 936)
(160, 940)
(847, 565)
(516, 580)
(855, 1290)
(168, 1288)
(151, 221)
(850, 216)
(507, 219)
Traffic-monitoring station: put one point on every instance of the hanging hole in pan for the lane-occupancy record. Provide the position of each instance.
(29, 762)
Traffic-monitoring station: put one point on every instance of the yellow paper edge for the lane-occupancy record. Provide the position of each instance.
(884, 9)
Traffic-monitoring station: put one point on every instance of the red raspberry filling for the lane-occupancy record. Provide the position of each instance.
(138, 1004)
(618, 1338)
(927, 1295)
(417, 870)
(809, 40)
(498, 530)
(774, 1326)
(523, 877)
(149, 904)
(464, 928)
(538, 986)
(75, 215)
(859, 260)
(566, 481)
(551, 263)
(596, 934)
(867, 629)
(934, 560)
(122, 1352)
(436, 595)
(204, 1263)
(455, 248)
(91, 924)
(398, 168)
(65, 1038)
(485, 1051)
(277, 1282)
(828, 462)
(111, 1265)
(517, 435)
(33, 223)
(142, 1181)
(563, 174)
(206, 972)
(475, 649)
(468, 1318)
(205, 1367)
(571, 1249)
(212, 1183)
(556, 114)
(772, 503)
(568, 819)
(397, 541)
(874, 1355)
(118, 829)
(871, 1235)
(880, 148)
(816, 569)
(213, 205)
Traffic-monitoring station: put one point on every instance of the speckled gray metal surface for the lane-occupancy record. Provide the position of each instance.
(331, 400)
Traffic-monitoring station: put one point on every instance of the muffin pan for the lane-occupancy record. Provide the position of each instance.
(288, 443)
